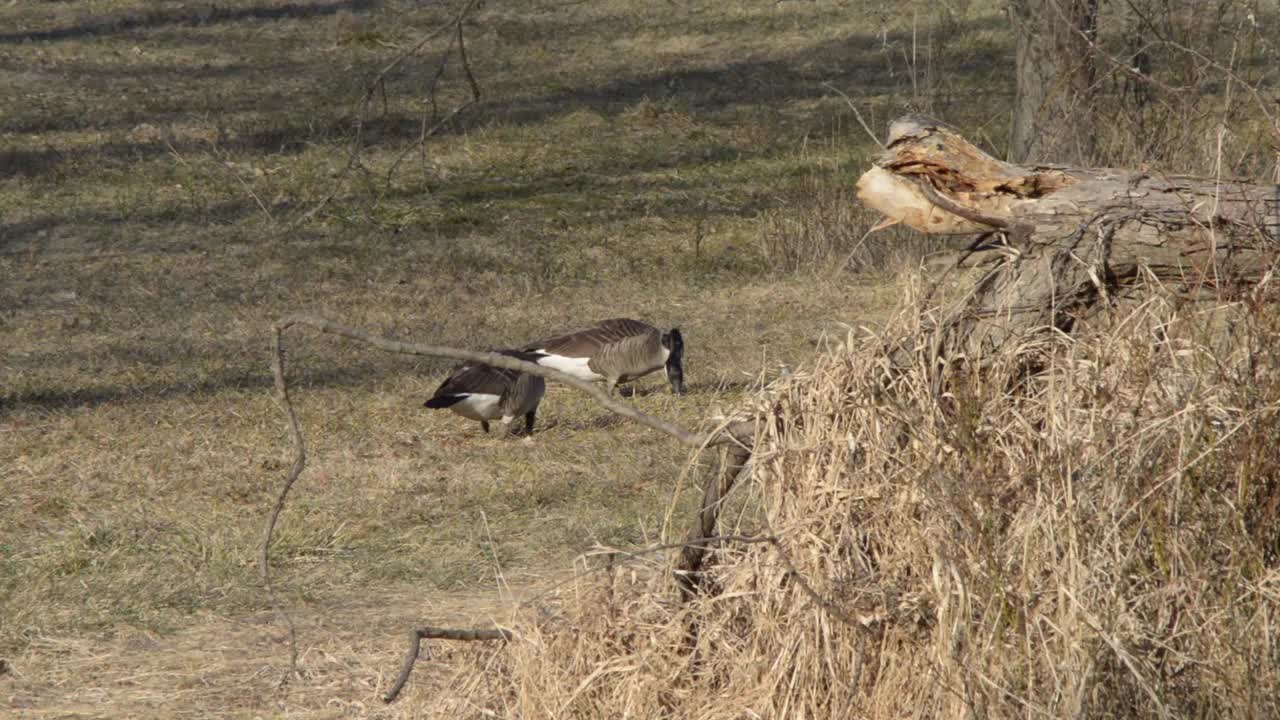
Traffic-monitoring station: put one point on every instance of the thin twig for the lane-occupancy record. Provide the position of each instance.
(249, 189)
(856, 114)
(426, 133)
(357, 143)
(732, 433)
(466, 64)
(479, 635)
(632, 555)
(299, 462)
(435, 83)
(818, 599)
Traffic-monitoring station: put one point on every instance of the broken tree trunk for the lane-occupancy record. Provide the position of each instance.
(1075, 239)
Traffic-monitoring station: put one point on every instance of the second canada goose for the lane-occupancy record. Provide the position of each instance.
(484, 393)
(615, 351)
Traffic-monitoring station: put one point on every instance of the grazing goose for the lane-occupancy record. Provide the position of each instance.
(615, 351)
(484, 393)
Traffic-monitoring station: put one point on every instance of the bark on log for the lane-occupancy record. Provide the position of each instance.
(1078, 238)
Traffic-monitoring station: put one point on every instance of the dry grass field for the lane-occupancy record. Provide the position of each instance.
(172, 181)
(679, 163)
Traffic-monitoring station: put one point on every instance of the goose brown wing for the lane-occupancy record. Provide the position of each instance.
(476, 378)
(622, 328)
(585, 342)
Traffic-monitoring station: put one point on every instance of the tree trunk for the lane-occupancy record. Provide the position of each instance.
(1074, 236)
(1056, 73)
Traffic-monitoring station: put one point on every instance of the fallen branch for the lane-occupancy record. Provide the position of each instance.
(436, 633)
(683, 436)
(1076, 238)
(700, 538)
(737, 434)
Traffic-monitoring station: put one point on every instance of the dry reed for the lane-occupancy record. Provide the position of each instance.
(1097, 539)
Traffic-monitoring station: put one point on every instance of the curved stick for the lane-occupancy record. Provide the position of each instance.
(299, 462)
(437, 633)
(737, 433)
(694, 550)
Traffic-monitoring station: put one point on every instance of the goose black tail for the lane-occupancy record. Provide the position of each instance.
(531, 356)
(442, 401)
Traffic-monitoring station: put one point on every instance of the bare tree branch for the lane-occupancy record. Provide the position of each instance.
(466, 64)
(737, 433)
(693, 555)
(299, 462)
(683, 436)
(378, 81)
(1127, 68)
(460, 42)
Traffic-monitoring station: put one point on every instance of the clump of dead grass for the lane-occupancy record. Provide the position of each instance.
(822, 232)
(1098, 539)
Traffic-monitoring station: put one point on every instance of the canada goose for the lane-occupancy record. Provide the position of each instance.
(484, 393)
(615, 351)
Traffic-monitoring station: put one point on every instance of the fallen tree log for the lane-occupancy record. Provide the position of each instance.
(1075, 239)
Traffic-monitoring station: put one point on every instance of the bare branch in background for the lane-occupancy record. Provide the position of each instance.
(849, 101)
(377, 84)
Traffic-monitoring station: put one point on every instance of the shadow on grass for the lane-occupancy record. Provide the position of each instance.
(718, 96)
(226, 381)
(35, 163)
(190, 91)
(99, 227)
(204, 14)
(859, 64)
(670, 198)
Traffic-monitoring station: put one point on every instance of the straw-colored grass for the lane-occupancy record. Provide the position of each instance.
(1099, 539)
(685, 162)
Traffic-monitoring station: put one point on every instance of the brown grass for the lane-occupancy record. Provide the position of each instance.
(1100, 540)
(149, 174)
(681, 163)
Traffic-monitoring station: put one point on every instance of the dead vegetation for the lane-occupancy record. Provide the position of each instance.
(1099, 540)
(619, 164)
(686, 163)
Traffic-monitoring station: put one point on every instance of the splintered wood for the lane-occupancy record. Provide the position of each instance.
(1079, 234)
(923, 153)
